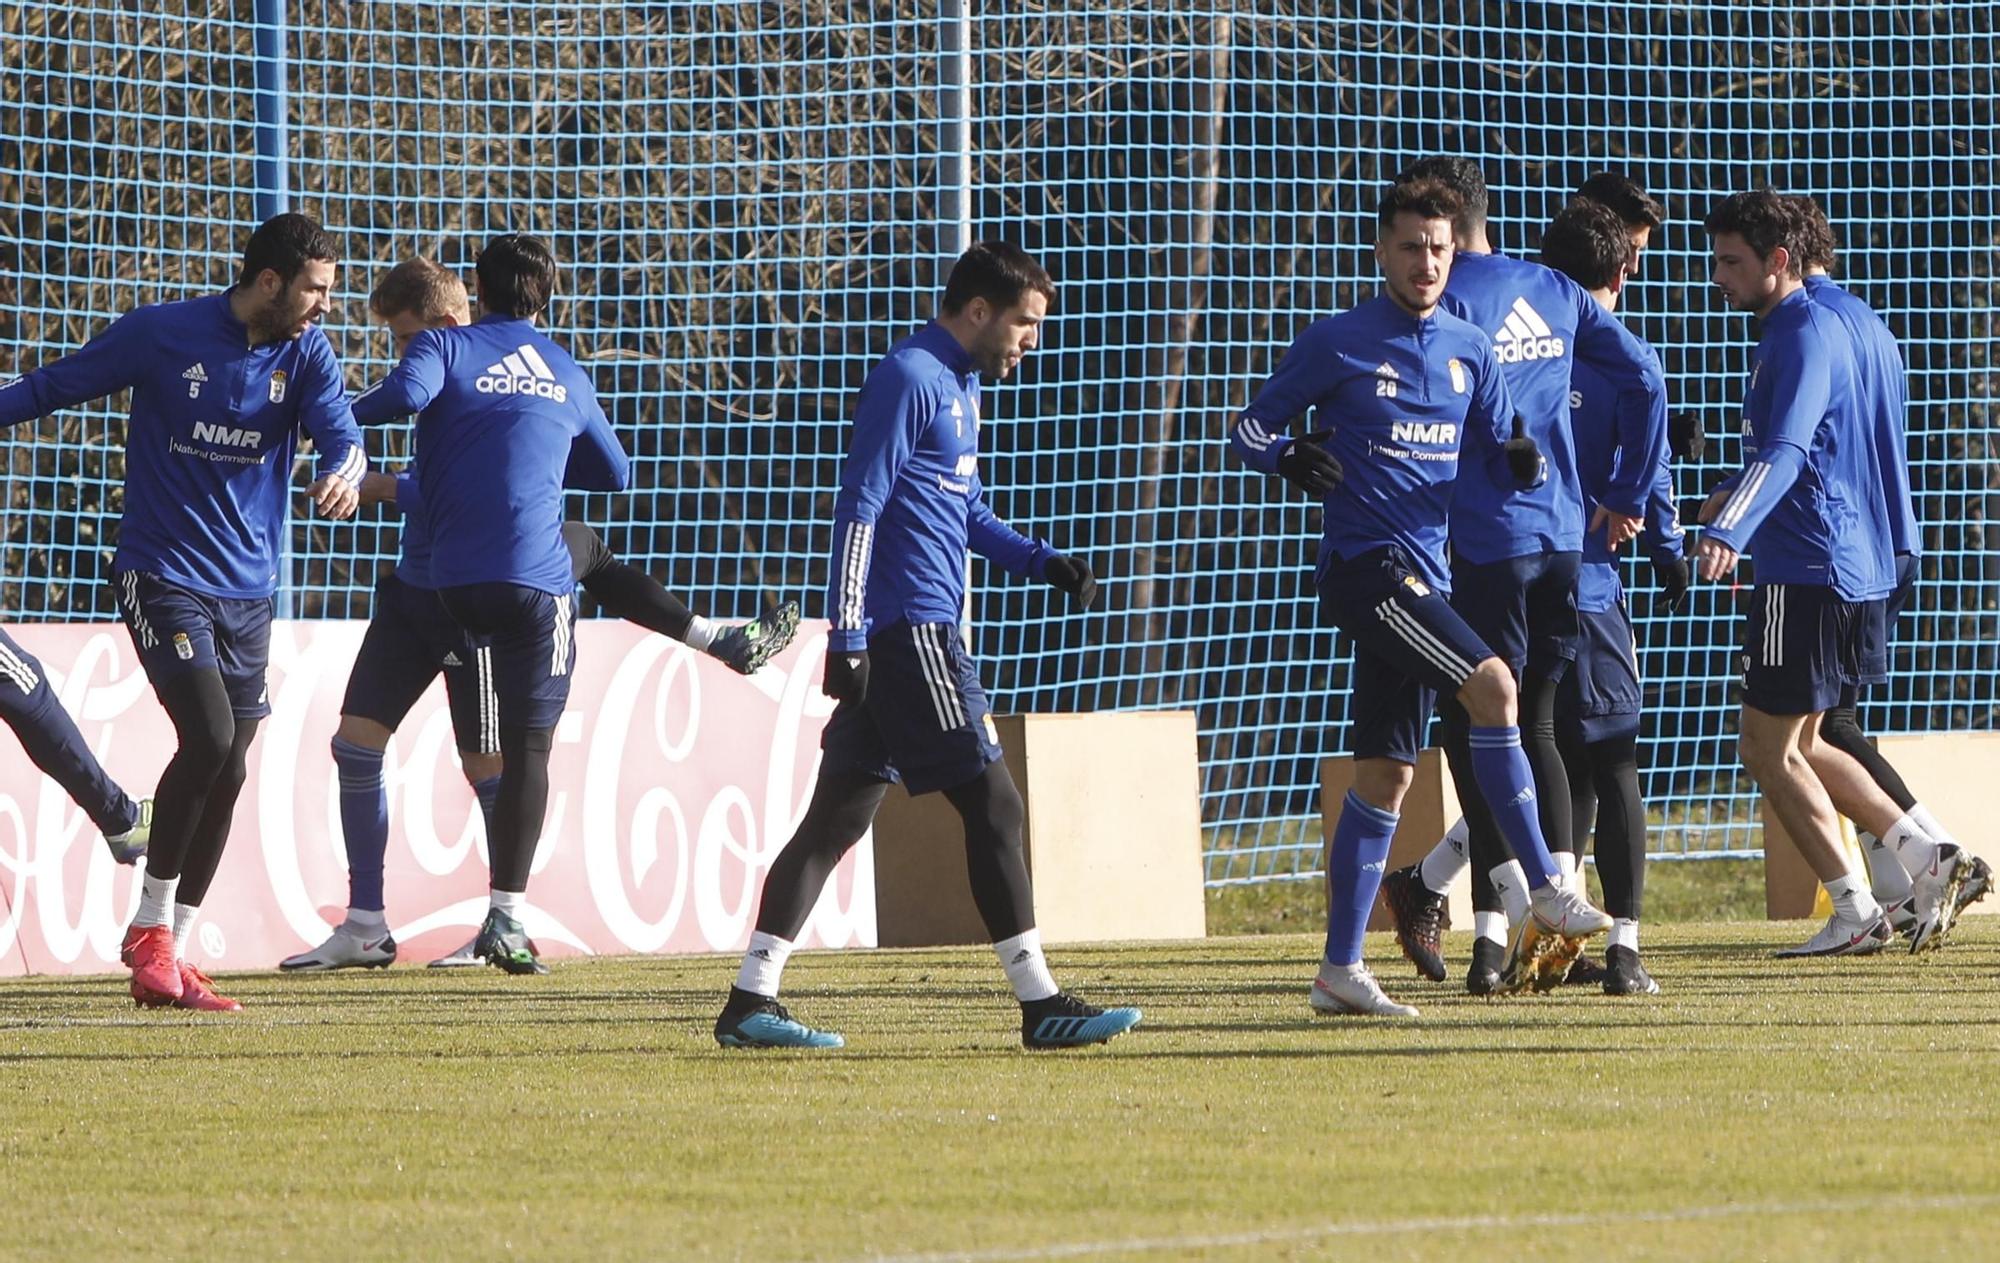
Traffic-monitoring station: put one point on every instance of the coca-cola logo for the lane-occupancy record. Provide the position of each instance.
(673, 785)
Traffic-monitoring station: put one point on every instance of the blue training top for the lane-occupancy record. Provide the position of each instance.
(1601, 452)
(1403, 397)
(208, 450)
(499, 409)
(1885, 385)
(1542, 323)
(1809, 503)
(910, 499)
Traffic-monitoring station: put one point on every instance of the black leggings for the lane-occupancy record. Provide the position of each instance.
(843, 804)
(1839, 730)
(625, 591)
(196, 798)
(520, 804)
(1604, 782)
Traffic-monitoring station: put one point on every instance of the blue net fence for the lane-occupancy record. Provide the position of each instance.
(753, 201)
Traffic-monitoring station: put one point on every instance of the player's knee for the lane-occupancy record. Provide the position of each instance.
(205, 745)
(528, 741)
(587, 551)
(1489, 696)
(1838, 729)
(235, 769)
(991, 805)
(1382, 783)
(1769, 756)
(366, 733)
(479, 767)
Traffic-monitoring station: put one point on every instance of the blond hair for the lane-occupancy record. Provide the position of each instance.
(424, 288)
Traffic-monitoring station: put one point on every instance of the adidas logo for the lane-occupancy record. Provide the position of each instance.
(1021, 957)
(762, 953)
(195, 374)
(451, 659)
(1387, 371)
(1527, 795)
(524, 372)
(1524, 335)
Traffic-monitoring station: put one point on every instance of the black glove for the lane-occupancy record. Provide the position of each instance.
(1673, 576)
(1685, 438)
(1072, 575)
(1307, 465)
(1524, 457)
(846, 675)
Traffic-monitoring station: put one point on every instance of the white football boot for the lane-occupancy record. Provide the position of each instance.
(1351, 989)
(1843, 936)
(1936, 891)
(345, 948)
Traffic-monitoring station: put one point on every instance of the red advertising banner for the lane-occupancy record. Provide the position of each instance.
(673, 784)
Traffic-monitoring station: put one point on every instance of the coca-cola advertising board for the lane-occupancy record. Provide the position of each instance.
(673, 783)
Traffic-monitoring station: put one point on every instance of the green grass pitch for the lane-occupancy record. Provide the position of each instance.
(1759, 1109)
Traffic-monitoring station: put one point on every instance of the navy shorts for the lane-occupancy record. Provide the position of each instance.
(1804, 648)
(924, 720)
(1524, 608)
(532, 636)
(409, 640)
(178, 630)
(1880, 628)
(1409, 646)
(1598, 698)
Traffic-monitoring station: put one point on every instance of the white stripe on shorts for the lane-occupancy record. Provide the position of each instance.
(1774, 625)
(1423, 640)
(559, 665)
(935, 660)
(147, 638)
(489, 700)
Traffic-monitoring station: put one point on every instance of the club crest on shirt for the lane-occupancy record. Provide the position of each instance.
(1457, 375)
(277, 387)
(183, 647)
(1416, 585)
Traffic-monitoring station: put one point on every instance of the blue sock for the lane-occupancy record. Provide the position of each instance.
(364, 821)
(1354, 867)
(1508, 785)
(489, 793)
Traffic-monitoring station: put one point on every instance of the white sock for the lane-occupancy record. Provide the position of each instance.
(1027, 969)
(763, 964)
(1565, 867)
(507, 902)
(1912, 845)
(368, 920)
(1625, 934)
(1447, 859)
(183, 925)
(700, 633)
(1511, 880)
(1930, 825)
(156, 901)
(1851, 900)
(1886, 874)
(1491, 926)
